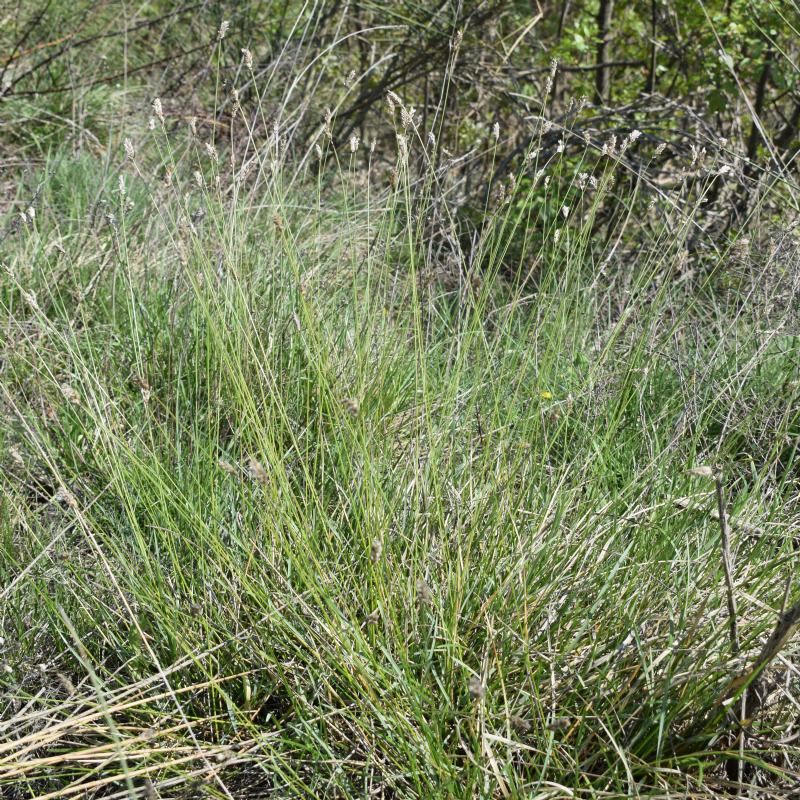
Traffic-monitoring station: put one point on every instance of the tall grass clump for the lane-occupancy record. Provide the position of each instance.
(312, 487)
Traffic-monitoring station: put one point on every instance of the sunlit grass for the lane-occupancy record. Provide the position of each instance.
(295, 504)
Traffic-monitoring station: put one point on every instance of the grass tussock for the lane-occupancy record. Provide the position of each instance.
(309, 493)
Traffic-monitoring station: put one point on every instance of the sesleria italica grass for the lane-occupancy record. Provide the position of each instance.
(289, 512)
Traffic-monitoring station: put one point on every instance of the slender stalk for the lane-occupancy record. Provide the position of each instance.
(727, 564)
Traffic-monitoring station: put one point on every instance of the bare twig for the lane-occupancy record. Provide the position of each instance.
(756, 694)
(727, 560)
(727, 563)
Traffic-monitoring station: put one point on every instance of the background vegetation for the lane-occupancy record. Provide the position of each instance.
(399, 400)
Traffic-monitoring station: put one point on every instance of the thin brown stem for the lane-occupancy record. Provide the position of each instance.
(727, 564)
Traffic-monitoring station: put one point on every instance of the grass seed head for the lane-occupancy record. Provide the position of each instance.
(351, 406)
(372, 618)
(520, 724)
(256, 471)
(424, 593)
(703, 471)
(16, 457)
(30, 299)
(66, 497)
(226, 466)
(477, 691)
(70, 394)
(402, 147)
(375, 550)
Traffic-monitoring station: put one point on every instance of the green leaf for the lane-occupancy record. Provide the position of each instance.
(717, 101)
